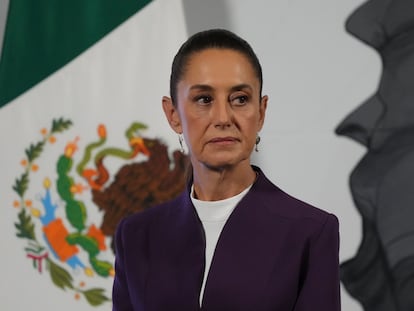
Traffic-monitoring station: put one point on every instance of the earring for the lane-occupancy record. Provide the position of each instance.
(257, 142)
(180, 140)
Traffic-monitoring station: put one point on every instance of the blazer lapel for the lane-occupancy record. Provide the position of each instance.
(178, 258)
(245, 254)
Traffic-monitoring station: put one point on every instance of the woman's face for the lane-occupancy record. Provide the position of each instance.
(218, 109)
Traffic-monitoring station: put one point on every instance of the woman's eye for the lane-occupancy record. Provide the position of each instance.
(240, 100)
(204, 99)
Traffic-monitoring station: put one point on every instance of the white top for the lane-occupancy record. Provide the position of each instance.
(213, 216)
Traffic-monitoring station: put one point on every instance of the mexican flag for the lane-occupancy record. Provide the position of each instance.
(84, 141)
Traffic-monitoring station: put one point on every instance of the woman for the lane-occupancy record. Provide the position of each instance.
(232, 240)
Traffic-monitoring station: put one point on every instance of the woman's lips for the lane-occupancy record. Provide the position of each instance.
(223, 140)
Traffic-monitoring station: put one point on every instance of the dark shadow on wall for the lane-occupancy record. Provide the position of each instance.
(381, 275)
(202, 14)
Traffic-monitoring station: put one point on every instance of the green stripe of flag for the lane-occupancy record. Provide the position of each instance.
(42, 36)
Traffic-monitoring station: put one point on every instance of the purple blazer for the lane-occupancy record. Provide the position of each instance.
(274, 253)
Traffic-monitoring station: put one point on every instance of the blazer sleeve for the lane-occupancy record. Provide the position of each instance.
(321, 286)
(121, 300)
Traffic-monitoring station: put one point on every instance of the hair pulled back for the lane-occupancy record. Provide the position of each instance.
(213, 38)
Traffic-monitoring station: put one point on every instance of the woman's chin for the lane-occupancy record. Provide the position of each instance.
(220, 163)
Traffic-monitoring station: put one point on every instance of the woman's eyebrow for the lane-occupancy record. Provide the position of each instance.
(206, 87)
(241, 87)
(201, 87)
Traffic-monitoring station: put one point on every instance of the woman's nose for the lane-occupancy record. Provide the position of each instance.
(222, 114)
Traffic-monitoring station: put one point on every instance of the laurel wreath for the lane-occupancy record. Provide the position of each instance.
(26, 228)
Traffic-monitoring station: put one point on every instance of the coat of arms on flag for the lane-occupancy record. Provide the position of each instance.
(54, 216)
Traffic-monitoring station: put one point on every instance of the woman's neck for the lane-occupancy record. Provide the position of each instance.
(219, 184)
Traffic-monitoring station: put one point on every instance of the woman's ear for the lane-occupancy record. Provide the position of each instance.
(171, 113)
(262, 110)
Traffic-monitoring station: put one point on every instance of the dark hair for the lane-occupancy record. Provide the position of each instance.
(213, 38)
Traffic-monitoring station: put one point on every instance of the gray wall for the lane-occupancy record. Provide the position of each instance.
(201, 15)
(4, 4)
